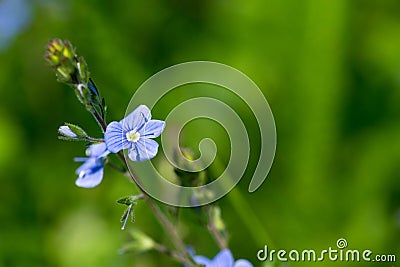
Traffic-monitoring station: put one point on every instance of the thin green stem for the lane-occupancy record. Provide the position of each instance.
(173, 254)
(219, 239)
(115, 167)
(162, 219)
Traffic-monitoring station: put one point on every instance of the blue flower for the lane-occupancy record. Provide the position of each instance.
(90, 173)
(223, 259)
(134, 133)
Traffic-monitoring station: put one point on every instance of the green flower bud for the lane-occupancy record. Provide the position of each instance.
(55, 46)
(83, 94)
(83, 73)
(217, 219)
(68, 50)
(61, 56)
(73, 70)
(52, 59)
(63, 74)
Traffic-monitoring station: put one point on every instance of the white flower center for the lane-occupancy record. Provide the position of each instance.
(133, 136)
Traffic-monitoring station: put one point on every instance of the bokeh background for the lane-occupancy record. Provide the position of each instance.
(329, 69)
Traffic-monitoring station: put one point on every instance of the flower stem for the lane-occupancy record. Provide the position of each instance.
(172, 254)
(94, 140)
(115, 167)
(169, 228)
(219, 239)
(162, 219)
(98, 118)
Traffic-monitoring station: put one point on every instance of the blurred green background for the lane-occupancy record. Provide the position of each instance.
(329, 69)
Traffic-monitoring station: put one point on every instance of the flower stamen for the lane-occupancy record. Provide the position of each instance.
(133, 136)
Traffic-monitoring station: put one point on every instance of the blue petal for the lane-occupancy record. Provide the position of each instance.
(115, 137)
(223, 259)
(144, 149)
(66, 131)
(136, 119)
(243, 263)
(89, 164)
(152, 129)
(86, 165)
(90, 179)
(202, 260)
(92, 87)
(79, 159)
(97, 150)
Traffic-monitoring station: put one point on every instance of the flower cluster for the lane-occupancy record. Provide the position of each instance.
(133, 133)
(90, 173)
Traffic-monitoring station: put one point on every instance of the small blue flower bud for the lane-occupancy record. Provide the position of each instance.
(72, 132)
(66, 131)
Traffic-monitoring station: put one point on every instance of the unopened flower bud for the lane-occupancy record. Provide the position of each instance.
(61, 56)
(72, 70)
(68, 50)
(72, 131)
(83, 94)
(65, 131)
(55, 45)
(63, 75)
(217, 219)
(83, 73)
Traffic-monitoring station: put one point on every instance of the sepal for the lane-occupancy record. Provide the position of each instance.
(129, 201)
(71, 132)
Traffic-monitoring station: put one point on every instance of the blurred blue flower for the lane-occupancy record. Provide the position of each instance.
(14, 17)
(90, 173)
(134, 133)
(223, 259)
